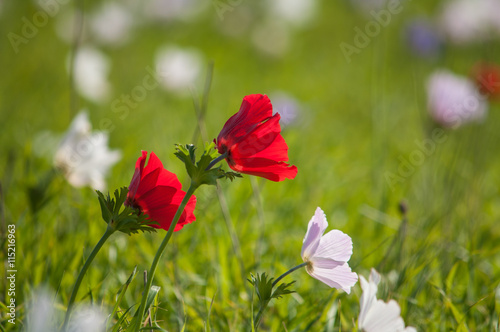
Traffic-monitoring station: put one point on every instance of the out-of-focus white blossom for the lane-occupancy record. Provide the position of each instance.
(454, 100)
(182, 10)
(295, 12)
(111, 24)
(42, 316)
(91, 69)
(84, 156)
(466, 21)
(41, 313)
(86, 320)
(178, 68)
(272, 38)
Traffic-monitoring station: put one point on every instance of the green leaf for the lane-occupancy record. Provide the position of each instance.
(107, 215)
(120, 217)
(263, 287)
(282, 290)
(228, 175)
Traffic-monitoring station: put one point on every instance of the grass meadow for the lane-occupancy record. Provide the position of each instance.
(363, 142)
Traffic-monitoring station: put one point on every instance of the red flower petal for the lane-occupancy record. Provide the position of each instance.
(254, 110)
(157, 192)
(269, 169)
(253, 142)
(487, 77)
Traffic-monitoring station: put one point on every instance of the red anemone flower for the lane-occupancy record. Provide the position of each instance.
(487, 76)
(157, 193)
(252, 141)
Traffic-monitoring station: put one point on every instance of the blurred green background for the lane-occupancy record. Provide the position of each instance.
(354, 122)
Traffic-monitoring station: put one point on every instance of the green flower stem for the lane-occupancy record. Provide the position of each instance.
(216, 160)
(288, 272)
(259, 315)
(98, 246)
(264, 306)
(159, 253)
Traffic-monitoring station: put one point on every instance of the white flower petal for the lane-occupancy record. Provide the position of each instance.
(340, 277)
(335, 245)
(369, 296)
(91, 69)
(315, 230)
(111, 24)
(383, 317)
(376, 315)
(83, 156)
(88, 319)
(41, 310)
(325, 263)
(374, 277)
(178, 68)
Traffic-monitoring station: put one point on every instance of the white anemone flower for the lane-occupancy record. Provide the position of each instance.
(84, 156)
(41, 312)
(88, 319)
(178, 68)
(296, 12)
(376, 315)
(470, 21)
(327, 255)
(42, 315)
(454, 100)
(112, 24)
(91, 69)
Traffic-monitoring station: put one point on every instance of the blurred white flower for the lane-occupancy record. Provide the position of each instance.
(453, 100)
(465, 21)
(183, 10)
(41, 312)
(376, 315)
(286, 105)
(327, 255)
(177, 68)
(111, 24)
(272, 38)
(295, 12)
(84, 156)
(91, 69)
(42, 315)
(86, 320)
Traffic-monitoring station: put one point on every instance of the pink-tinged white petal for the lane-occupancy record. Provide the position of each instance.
(454, 100)
(315, 230)
(340, 277)
(325, 263)
(335, 245)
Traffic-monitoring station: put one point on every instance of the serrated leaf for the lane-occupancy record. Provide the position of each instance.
(107, 215)
(282, 290)
(228, 175)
